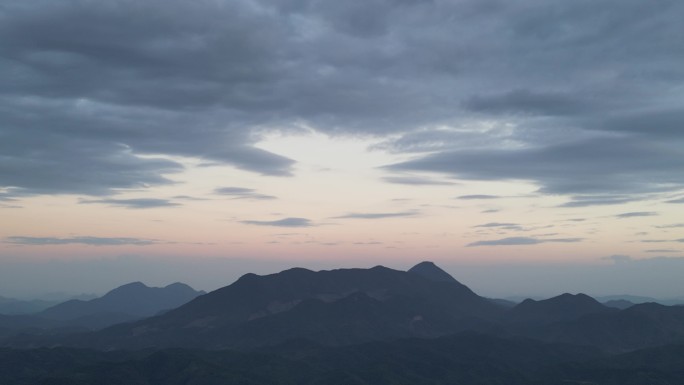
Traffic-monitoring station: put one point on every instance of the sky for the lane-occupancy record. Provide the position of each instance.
(529, 147)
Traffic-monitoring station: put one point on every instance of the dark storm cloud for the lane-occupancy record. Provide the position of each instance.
(519, 241)
(242, 193)
(136, 203)
(377, 215)
(528, 102)
(91, 241)
(575, 96)
(286, 222)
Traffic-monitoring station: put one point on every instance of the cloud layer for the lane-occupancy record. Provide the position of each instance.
(90, 241)
(521, 241)
(573, 96)
(285, 222)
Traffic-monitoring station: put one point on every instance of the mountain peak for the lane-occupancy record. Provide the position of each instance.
(432, 272)
(132, 287)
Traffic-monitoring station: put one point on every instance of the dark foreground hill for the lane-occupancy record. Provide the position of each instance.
(462, 359)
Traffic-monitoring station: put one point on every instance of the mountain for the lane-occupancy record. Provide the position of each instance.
(564, 307)
(619, 303)
(342, 307)
(430, 271)
(640, 326)
(639, 299)
(335, 307)
(128, 302)
(11, 306)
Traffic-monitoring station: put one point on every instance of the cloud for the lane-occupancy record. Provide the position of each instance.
(576, 167)
(416, 181)
(242, 193)
(4, 206)
(679, 200)
(91, 241)
(101, 96)
(505, 226)
(618, 258)
(598, 200)
(377, 215)
(136, 203)
(531, 102)
(519, 241)
(478, 196)
(637, 214)
(671, 226)
(662, 251)
(286, 222)
(189, 198)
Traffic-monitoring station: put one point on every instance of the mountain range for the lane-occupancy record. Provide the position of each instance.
(352, 306)
(339, 325)
(125, 303)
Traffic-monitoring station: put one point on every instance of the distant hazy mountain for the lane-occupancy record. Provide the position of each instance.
(635, 299)
(619, 304)
(128, 302)
(565, 307)
(11, 306)
(123, 304)
(334, 307)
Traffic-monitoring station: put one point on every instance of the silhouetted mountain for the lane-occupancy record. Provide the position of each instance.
(640, 326)
(432, 272)
(353, 326)
(131, 301)
(334, 307)
(635, 299)
(564, 307)
(346, 307)
(123, 304)
(618, 304)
